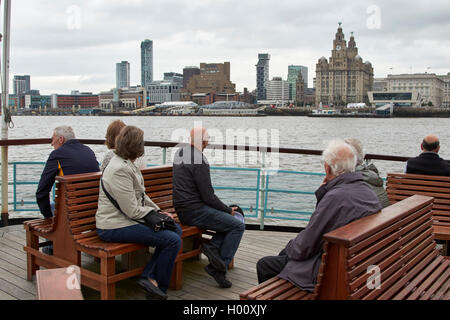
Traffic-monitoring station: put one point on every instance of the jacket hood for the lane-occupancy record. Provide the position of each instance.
(370, 175)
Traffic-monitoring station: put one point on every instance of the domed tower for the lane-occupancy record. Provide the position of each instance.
(344, 78)
(352, 50)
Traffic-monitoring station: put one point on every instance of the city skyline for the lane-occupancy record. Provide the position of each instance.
(78, 48)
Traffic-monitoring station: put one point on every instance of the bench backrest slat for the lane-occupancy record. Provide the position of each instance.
(402, 185)
(80, 195)
(392, 242)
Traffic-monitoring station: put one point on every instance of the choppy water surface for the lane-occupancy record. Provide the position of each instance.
(394, 136)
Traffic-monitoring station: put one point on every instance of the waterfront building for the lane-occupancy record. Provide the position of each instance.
(380, 84)
(128, 98)
(262, 75)
(278, 90)
(345, 78)
(146, 62)
(213, 78)
(83, 100)
(446, 92)
(429, 85)
(36, 101)
(211, 97)
(163, 91)
(309, 97)
(397, 98)
(299, 96)
(122, 75)
(21, 84)
(188, 72)
(293, 75)
(174, 77)
(178, 104)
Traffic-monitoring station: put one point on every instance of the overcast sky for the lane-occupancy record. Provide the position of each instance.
(74, 45)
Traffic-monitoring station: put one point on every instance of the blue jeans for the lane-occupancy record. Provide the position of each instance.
(167, 244)
(229, 230)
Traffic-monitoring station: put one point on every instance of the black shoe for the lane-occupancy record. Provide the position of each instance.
(219, 276)
(48, 249)
(213, 256)
(152, 292)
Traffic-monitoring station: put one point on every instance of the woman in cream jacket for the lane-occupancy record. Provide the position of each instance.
(124, 182)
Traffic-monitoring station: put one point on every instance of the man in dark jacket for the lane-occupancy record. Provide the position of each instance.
(69, 157)
(342, 198)
(197, 205)
(428, 162)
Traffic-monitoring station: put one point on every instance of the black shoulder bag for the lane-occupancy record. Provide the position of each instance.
(155, 220)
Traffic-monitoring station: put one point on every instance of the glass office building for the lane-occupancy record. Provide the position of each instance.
(146, 62)
(293, 72)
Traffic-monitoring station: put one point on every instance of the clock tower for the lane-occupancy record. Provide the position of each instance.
(345, 78)
(339, 44)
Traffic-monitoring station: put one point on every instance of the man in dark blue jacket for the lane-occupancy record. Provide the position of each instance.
(69, 157)
(197, 205)
(429, 162)
(342, 198)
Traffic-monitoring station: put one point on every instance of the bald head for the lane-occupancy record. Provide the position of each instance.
(199, 138)
(430, 143)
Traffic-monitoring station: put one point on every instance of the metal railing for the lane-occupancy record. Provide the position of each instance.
(258, 207)
(261, 187)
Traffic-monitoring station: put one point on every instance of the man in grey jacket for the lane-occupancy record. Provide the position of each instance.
(197, 205)
(342, 198)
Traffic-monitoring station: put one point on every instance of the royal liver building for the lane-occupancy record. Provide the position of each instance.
(345, 78)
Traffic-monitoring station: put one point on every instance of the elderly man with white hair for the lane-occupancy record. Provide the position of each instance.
(342, 198)
(68, 157)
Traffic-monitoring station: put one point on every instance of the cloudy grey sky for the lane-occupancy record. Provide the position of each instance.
(74, 45)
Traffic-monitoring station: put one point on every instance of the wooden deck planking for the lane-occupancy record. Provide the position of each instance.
(197, 284)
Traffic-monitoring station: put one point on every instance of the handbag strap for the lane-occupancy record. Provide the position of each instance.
(113, 201)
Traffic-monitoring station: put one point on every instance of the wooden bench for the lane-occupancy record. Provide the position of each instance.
(401, 185)
(398, 240)
(73, 231)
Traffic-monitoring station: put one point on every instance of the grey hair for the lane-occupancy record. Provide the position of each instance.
(340, 156)
(65, 131)
(357, 145)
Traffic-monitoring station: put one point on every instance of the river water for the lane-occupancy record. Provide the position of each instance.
(391, 136)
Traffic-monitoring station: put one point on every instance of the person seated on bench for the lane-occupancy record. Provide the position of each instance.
(197, 205)
(342, 198)
(429, 162)
(125, 183)
(369, 172)
(110, 140)
(68, 157)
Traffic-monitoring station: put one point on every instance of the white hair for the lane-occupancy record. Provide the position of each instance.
(357, 145)
(65, 131)
(340, 156)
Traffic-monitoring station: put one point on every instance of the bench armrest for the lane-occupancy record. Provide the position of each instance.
(362, 228)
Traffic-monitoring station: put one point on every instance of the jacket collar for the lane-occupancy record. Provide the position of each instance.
(345, 178)
(71, 141)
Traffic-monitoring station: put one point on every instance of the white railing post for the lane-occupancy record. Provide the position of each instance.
(5, 107)
(262, 196)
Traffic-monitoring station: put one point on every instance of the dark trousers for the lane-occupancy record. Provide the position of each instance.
(269, 267)
(229, 230)
(167, 244)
